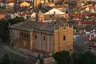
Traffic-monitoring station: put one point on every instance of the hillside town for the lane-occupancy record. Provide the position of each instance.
(48, 31)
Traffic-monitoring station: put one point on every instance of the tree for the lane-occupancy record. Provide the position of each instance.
(15, 20)
(41, 60)
(71, 17)
(4, 33)
(76, 57)
(84, 58)
(62, 57)
(6, 59)
(3, 28)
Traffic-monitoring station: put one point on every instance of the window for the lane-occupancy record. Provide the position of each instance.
(44, 38)
(24, 35)
(35, 36)
(64, 37)
(21, 34)
(27, 35)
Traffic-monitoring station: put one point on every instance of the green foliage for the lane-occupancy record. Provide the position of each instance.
(64, 57)
(6, 59)
(38, 56)
(41, 61)
(59, 3)
(0, 63)
(4, 26)
(71, 17)
(15, 20)
(4, 6)
(85, 18)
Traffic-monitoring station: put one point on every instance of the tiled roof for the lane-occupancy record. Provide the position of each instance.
(26, 13)
(26, 25)
(30, 25)
(3, 11)
(2, 16)
(54, 11)
(88, 22)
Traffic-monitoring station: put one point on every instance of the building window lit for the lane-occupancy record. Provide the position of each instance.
(64, 38)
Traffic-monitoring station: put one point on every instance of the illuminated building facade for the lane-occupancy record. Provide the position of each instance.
(49, 37)
(37, 2)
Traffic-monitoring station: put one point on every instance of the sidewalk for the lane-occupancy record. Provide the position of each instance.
(28, 52)
(16, 54)
(49, 60)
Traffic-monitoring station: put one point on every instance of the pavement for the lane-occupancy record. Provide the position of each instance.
(16, 54)
(9, 49)
(28, 52)
(80, 43)
(49, 60)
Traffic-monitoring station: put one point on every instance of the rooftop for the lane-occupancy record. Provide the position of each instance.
(30, 25)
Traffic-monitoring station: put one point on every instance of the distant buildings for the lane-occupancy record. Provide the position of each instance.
(37, 2)
(48, 16)
(42, 36)
(2, 16)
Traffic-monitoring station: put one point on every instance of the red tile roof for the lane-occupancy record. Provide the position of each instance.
(26, 13)
(2, 16)
(88, 22)
(7, 1)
